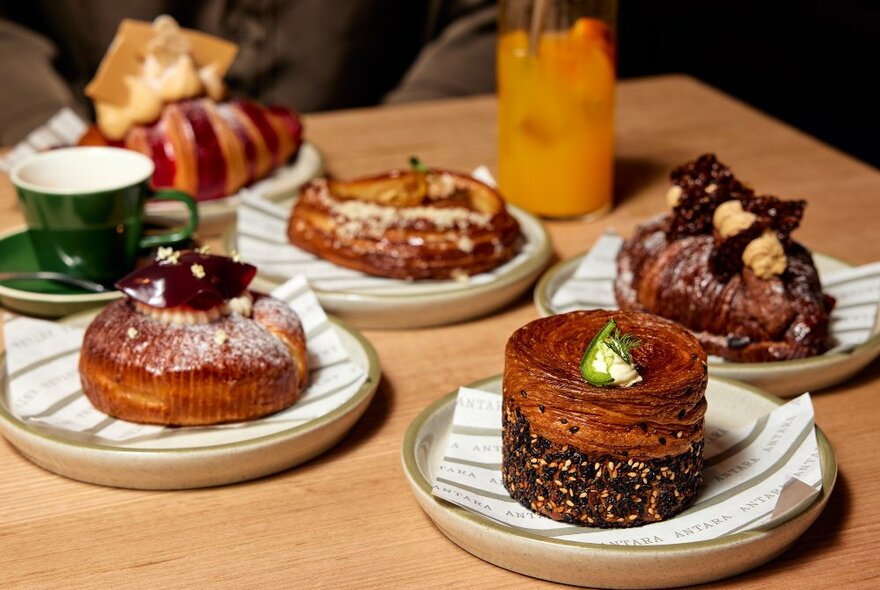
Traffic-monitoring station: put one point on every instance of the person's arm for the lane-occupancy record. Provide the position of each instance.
(32, 90)
(459, 61)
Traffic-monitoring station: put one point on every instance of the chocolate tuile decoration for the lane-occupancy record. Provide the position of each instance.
(167, 284)
(696, 207)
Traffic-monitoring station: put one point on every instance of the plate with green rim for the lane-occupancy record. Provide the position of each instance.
(419, 304)
(783, 378)
(192, 457)
(730, 404)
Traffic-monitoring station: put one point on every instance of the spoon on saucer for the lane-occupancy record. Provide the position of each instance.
(54, 276)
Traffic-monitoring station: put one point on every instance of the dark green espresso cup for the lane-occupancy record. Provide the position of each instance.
(84, 208)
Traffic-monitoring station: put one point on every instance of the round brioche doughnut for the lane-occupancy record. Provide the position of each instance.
(137, 368)
(603, 456)
(190, 345)
(406, 225)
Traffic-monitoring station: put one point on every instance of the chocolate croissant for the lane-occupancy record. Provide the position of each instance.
(723, 265)
(406, 225)
(603, 456)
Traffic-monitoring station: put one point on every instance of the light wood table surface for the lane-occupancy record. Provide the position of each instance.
(347, 519)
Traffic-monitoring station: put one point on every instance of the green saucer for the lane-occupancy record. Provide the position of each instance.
(40, 298)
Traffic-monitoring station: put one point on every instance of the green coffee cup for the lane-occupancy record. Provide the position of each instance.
(84, 207)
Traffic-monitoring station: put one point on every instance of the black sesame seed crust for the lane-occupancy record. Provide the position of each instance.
(605, 491)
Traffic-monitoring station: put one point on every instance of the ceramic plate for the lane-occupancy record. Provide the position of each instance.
(785, 378)
(609, 566)
(39, 298)
(204, 457)
(428, 303)
(216, 213)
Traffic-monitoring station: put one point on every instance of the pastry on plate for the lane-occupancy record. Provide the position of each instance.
(160, 91)
(419, 224)
(723, 264)
(189, 344)
(602, 419)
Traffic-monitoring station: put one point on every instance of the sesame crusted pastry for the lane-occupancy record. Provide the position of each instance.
(190, 345)
(606, 456)
(723, 264)
(432, 224)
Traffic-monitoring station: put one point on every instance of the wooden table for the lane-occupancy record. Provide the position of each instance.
(347, 518)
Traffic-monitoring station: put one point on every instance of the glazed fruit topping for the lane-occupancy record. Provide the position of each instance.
(193, 279)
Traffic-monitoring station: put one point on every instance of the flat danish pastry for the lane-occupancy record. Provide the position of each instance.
(432, 224)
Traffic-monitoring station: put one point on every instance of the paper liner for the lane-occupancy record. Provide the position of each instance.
(857, 291)
(44, 386)
(748, 472)
(262, 239)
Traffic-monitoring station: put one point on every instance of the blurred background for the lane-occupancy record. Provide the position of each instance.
(810, 64)
(803, 62)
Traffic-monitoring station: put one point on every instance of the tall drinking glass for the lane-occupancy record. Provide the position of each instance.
(556, 73)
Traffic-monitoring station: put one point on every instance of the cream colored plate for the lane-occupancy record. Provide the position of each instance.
(421, 304)
(785, 378)
(207, 457)
(608, 566)
(216, 213)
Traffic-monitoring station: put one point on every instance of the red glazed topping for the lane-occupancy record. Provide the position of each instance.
(163, 157)
(210, 163)
(198, 281)
(290, 119)
(250, 150)
(255, 113)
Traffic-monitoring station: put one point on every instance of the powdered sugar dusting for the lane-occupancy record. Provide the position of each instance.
(163, 348)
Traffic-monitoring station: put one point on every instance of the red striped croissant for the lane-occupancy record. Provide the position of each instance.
(210, 149)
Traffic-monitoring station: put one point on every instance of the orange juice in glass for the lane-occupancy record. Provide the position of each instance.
(556, 72)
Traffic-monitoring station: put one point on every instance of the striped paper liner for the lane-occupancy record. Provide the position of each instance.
(853, 319)
(745, 473)
(262, 240)
(44, 387)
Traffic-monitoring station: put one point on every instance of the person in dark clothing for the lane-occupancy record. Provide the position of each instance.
(311, 55)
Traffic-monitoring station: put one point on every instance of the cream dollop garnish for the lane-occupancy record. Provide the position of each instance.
(673, 195)
(730, 219)
(168, 74)
(765, 255)
(623, 373)
(242, 305)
